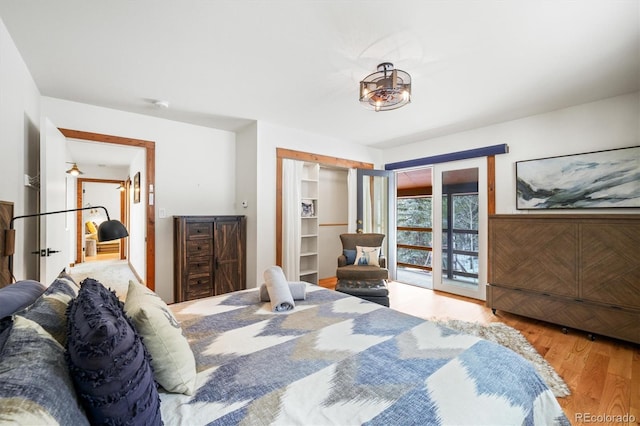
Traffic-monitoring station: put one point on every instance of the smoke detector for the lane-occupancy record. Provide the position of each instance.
(160, 104)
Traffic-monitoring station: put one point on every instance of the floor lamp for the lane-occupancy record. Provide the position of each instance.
(108, 230)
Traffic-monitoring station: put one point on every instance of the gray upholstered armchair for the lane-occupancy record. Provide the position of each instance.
(372, 269)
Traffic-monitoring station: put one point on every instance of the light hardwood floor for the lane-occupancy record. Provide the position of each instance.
(603, 375)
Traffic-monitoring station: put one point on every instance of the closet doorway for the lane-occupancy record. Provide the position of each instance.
(332, 174)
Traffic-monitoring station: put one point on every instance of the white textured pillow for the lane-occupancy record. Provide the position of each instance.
(367, 256)
(174, 366)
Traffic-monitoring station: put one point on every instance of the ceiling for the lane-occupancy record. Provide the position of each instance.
(85, 153)
(414, 179)
(297, 63)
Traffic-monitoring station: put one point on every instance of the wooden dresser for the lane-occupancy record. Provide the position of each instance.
(209, 256)
(578, 271)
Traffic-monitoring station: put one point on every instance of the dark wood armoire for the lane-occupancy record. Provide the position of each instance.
(209, 256)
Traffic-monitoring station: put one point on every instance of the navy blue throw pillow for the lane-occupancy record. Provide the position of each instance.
(350, 255)
(109, 365)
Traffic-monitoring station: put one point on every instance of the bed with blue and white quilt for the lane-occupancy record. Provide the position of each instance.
(339, 360)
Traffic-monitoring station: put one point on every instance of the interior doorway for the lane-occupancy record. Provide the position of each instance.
(150, 161)
(324, 162)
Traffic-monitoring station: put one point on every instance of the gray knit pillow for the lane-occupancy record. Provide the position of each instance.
(35, 385)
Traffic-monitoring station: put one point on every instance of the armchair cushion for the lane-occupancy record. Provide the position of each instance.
(362, 272)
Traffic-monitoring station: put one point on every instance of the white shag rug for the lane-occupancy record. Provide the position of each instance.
(511, 338)
(113, 274)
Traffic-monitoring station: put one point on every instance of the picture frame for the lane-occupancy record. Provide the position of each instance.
(591, 180)
(307, 208)
(136, 188)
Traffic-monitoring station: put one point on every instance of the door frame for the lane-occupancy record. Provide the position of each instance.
(150, 170)
(390, 232)
(323, 160)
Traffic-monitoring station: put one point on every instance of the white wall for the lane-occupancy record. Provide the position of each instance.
(247, 191)
(100, 194)
(195, 170)
(606, 124)
(138, 222)
(19, 123)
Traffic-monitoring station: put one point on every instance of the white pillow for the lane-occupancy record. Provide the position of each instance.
(174, 366)
(367, 256)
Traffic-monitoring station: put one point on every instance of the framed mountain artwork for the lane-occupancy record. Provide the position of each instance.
(592, 180)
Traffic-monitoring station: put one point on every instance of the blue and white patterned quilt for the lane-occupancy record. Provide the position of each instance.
(339, 360)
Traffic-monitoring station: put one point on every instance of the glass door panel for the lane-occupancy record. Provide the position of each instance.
(376, 209)
(460, 239)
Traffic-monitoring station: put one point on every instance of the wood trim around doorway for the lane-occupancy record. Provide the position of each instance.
(150, 157)
(323, 160)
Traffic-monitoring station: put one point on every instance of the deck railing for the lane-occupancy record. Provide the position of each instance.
(422, 259)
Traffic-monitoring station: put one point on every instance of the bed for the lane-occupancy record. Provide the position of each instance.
(334, 359)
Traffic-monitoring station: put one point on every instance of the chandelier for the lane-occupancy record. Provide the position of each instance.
(386, 89)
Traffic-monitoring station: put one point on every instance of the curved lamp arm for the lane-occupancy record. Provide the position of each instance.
(108, 230)
(111, 229)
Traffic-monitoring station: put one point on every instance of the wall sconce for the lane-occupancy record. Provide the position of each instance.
(107, 231)
(74, 170)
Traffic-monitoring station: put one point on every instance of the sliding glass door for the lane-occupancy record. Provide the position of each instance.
(459, 227)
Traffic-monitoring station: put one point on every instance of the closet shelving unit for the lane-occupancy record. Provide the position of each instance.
(309, 223)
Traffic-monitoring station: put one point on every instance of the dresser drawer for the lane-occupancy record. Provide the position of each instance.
(199, 286)
(197, 230)
(199, 248)
(199, 265)
(583, 315)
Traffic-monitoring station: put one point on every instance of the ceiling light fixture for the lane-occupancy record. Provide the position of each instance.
(74, 170)
(385, 89)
